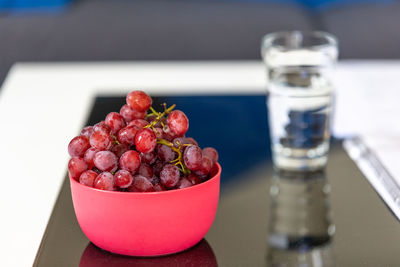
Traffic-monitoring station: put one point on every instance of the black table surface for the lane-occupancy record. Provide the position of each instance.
(256, 202)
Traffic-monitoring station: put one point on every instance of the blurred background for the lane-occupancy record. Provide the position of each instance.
(101, 30)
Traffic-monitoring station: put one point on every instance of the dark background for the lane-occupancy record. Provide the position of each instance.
(101, 30)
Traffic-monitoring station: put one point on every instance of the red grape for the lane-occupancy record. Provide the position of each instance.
(89, 156)
(87, 131)
(139, 100)
(139, 123)
(145, 140)
(214, 170)
(130, 114)
(205, 167)
(148, 158)
(193, 157)
(78, 146)
(115, 121)
(157, 167)
(183, 183)
(102, 127)
(152, 118)
(146, 171)
(159, 187)
(127, 135)
(104, 181)
(130, 161)
(165, 153)
(159, 132)
(123, 178)
(142, 184)
(178, 122)
(211, 153)
(168, 134)
(203, 177)
(194, 179)
(154, 180)
(180, 141)
(101, 140)
(132, 188)
(124, 153)
(169, 175)
(119, 149)
(76, 166)
(106, 161)
(87, 178)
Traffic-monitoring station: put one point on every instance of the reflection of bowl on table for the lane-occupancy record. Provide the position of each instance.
(199, 255)
(146, 224)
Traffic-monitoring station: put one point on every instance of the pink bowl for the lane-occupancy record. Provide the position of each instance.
(146, 224)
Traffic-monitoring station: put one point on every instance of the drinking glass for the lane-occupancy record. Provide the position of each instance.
(299, 69)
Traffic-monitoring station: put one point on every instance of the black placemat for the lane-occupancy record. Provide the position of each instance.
(366, 232)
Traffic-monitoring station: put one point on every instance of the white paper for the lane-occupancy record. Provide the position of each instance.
(368, 106)
(367, 99)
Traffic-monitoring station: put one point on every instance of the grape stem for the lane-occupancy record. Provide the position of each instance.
(178, 161)
(115, 139)
(158, 115)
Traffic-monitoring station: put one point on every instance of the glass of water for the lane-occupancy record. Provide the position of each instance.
(299, 68)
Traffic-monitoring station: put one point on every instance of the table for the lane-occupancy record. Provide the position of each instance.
(265, 217)
(45, 105)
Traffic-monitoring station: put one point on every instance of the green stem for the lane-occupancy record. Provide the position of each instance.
(115, 139)
(178, 160)
(165, 142)
(168, 110)
(159, 115)
(154, 112)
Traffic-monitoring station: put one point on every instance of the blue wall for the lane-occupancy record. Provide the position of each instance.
(21, 5)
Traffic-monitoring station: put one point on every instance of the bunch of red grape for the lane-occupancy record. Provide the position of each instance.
(140, 150)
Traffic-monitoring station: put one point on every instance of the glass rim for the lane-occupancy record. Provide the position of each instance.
(267, 40)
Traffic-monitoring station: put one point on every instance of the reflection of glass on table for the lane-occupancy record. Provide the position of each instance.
(300, 96)
(300, 221)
